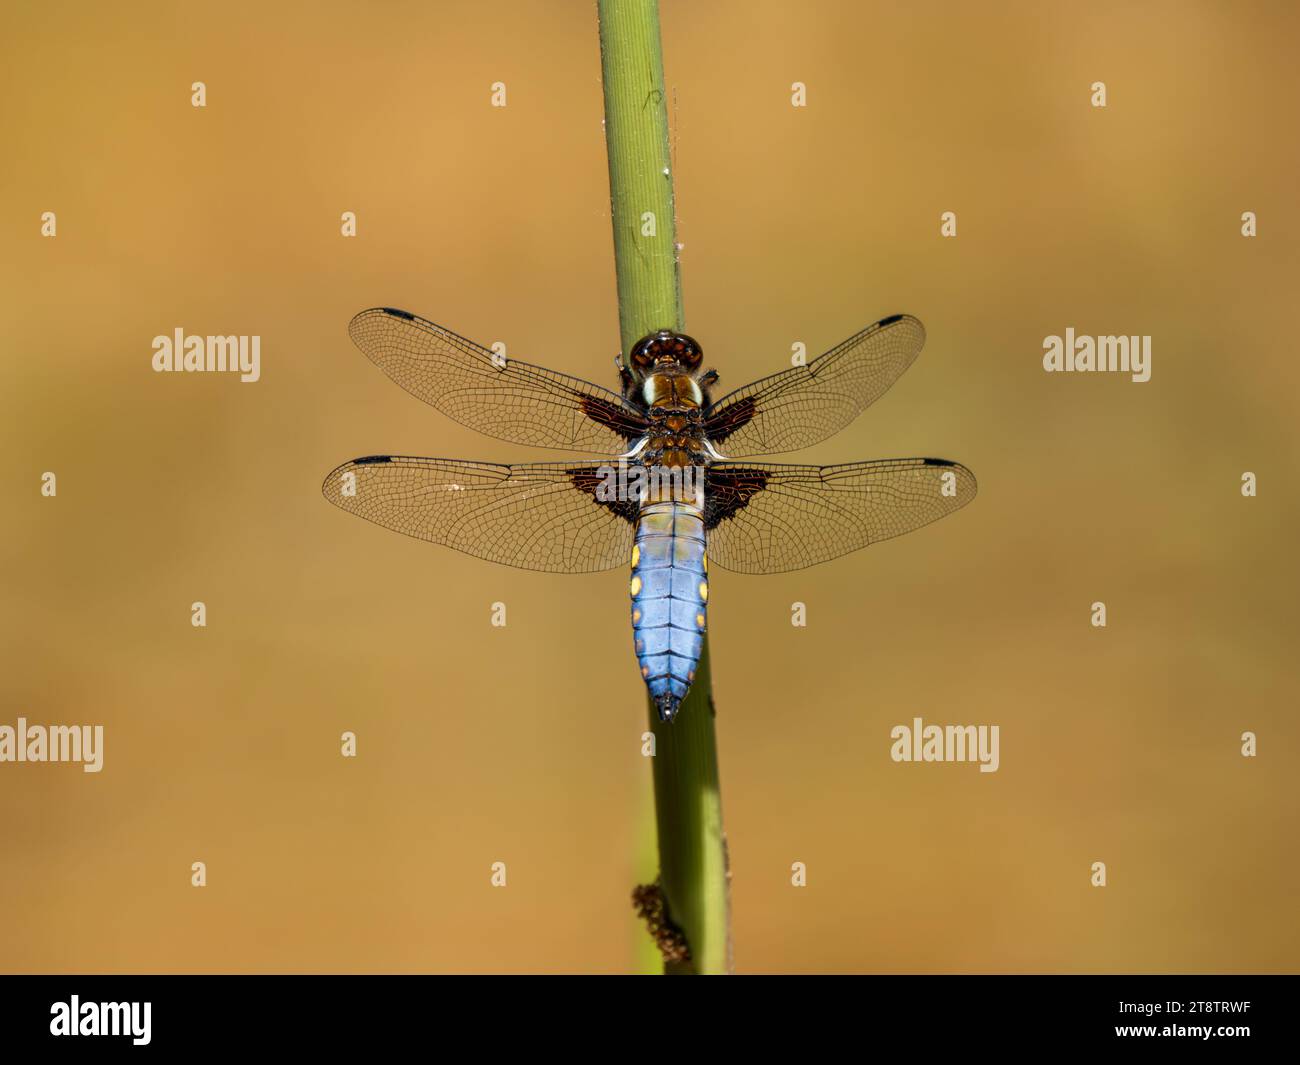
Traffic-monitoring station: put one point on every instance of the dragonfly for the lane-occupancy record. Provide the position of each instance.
(674, 490)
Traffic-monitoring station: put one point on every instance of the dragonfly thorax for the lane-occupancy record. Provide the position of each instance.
(676, 436)
(672, 391)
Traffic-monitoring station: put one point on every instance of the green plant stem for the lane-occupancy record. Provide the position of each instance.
(688, 806)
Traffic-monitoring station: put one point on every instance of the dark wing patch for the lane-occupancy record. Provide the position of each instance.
(507, 399)
(770, 518)
(538, 516)
(629, 424)
(803, 405)
(727, 490)
(730, 419)
(590, 479)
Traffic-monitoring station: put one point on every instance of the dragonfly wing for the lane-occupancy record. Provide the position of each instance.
(537, 516)
(803, 405)
(770, 518)
(500, 397)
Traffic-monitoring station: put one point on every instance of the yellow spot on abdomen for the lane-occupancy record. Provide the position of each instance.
(635, 586)
(636, 555)
(699, 620)
(636, 615)
(704, 591)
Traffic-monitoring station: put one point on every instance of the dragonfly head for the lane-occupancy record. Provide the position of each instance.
(665, 352)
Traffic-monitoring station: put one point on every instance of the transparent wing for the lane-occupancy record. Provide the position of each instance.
(540, 516)
(507, 399)
(769, 518)
(803, 405)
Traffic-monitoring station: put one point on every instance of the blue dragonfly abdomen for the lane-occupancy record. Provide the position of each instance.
(670, 592)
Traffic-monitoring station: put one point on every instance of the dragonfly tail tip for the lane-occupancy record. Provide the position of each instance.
(667, 705)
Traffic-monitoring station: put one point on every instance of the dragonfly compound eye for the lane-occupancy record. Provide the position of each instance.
(666, 347)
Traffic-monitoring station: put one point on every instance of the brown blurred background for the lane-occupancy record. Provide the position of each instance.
(521, 744)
